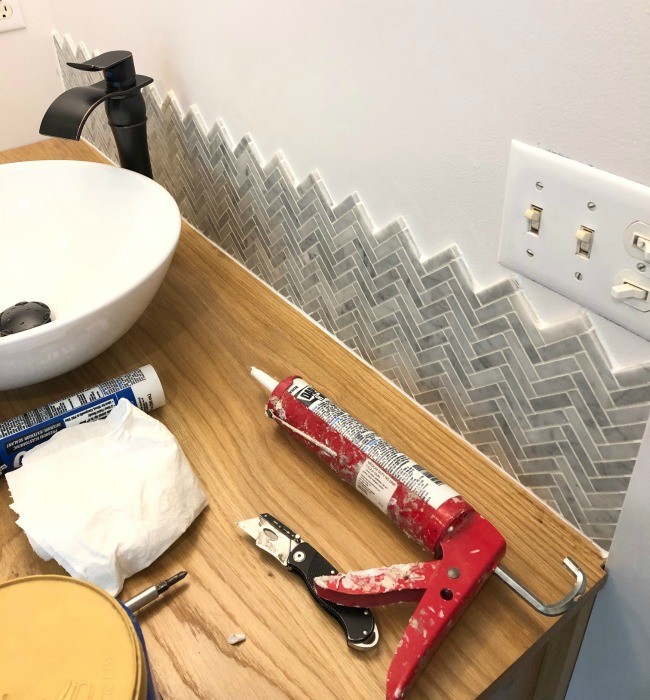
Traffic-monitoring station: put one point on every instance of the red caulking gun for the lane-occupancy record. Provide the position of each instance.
(466, 547)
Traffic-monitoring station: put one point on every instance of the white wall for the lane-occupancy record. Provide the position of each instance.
(28, 78)
(613, 661)
(413, 104)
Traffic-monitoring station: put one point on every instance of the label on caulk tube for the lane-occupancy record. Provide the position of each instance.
(377, 486)
(398, 465)
(18, 435)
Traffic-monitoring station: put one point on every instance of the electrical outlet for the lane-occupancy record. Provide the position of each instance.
(590, 238)
(11, 16)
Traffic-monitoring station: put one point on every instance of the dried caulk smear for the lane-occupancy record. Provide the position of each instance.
(388, 578)
(280, 419)
(237, 638)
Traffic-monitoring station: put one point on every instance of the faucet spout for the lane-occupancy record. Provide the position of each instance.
(121, 92)
(66, 116)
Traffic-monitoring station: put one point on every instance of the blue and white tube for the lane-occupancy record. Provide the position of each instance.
(141, 387)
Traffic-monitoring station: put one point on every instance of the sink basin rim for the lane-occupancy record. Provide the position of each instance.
(163, 255)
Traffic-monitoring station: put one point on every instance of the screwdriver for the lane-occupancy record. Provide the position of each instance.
(149, 594)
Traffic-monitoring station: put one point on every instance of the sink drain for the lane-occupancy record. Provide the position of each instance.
(23, 316)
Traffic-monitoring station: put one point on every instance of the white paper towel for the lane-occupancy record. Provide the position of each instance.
(105, 499)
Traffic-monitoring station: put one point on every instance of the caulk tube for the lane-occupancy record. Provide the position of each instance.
(418, 502)
(141, 387)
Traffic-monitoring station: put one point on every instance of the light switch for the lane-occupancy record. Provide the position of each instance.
(534, 216)
(643, 244)
(628, 291)
(585, 238)
(631, 289)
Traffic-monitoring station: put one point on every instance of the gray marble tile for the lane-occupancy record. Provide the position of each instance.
(633, 396)
(629, 414)
(634, 376)
(624, 433)
(537, 479)
(607, 501)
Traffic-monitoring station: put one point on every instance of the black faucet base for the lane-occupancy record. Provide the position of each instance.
(131, 142)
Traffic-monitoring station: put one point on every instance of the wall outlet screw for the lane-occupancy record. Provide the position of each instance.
(578, 275)
(530, 253)
(591, 206)
(540, 185)
(641, 267)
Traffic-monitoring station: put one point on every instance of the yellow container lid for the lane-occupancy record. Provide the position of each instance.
(64, 639)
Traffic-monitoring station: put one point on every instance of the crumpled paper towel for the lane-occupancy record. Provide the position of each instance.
(107, 498)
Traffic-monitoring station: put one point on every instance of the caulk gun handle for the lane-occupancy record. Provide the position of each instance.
(469, 558)
(444, 587)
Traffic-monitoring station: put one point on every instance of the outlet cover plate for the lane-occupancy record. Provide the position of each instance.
(15, 20)
(572, 195)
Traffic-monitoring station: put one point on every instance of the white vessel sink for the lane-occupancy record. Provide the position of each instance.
(91, 241)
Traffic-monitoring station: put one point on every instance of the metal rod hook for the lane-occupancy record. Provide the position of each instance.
(550, 609)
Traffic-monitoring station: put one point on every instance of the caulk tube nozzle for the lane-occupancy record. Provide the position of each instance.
(267, 382)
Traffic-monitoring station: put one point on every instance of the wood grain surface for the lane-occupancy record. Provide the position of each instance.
(210, 322)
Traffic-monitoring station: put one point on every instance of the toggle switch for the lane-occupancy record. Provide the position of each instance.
(631, 288)
(642, 243)
(629, 291)
(534, 216)
(585, 239)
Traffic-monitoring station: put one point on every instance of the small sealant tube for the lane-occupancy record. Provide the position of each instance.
(141, 387)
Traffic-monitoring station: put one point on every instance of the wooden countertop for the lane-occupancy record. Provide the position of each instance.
(208, 324)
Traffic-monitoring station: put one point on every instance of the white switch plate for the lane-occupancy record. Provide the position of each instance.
(11, 16)
(573, 195)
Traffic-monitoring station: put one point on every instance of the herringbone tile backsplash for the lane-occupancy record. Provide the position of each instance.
(543, 403)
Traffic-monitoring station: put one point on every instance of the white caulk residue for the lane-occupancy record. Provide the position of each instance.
(277, 409)
(328, 450)
(387, 578)
(237, 638)
(279, 547)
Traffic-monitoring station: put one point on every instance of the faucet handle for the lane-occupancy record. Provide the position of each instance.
(117, 66)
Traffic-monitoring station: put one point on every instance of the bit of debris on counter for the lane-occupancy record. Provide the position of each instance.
(237, 638)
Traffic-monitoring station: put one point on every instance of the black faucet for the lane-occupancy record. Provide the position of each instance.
(125, 107)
